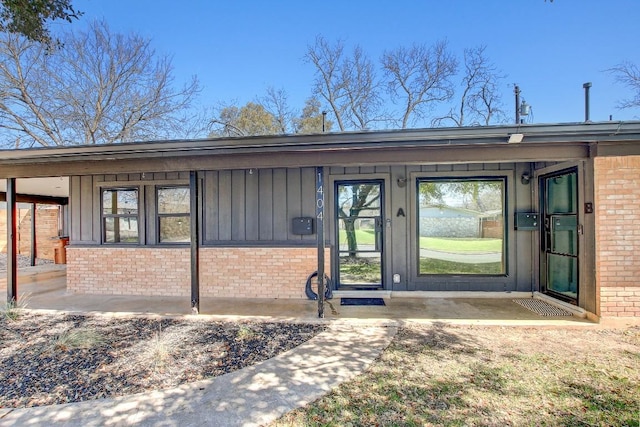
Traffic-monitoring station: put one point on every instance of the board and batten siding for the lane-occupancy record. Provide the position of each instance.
(257, 205)
(238, 206)
(400, 231)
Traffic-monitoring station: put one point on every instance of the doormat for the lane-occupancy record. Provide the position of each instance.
(361, 301)
(542, 308)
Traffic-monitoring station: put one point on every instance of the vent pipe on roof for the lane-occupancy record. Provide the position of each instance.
(586, 87)
(516, 90)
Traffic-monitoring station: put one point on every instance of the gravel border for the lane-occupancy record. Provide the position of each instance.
(51, 359)
(24, 261)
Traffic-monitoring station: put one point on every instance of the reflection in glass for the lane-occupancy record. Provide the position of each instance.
(120, 202)
(173, 200)
(562, 275)
(175, 229)
(174, 223)
(359, 228)
(461, 226)
(121, 230)
(120, 215)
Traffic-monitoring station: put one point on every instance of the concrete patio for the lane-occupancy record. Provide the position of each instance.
(44, 288)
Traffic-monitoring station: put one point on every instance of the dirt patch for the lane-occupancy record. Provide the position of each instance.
(491, 376)
(51, 359)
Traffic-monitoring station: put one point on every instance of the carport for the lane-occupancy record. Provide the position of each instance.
(32, 191)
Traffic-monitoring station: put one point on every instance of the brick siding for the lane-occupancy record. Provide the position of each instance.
(46, 231)
(617, 204)
(224, 272)
(257, 272)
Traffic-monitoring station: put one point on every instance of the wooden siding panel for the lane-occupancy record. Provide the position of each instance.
(238, 205)
(252, 209)
(367, 169)
(308, 177)
(86, 206)
(148, 195)
(75, 208)
(211, 205)
(280, 222)
(265, 203)
(224, 203)
(294, 200)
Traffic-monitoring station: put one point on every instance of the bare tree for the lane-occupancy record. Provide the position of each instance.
(418, 78)
(347, 83)
(276, 102)
(97, 87)
(479, 101)
(628, 74)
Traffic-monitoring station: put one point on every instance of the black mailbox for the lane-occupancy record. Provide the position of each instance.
(302, 225)
(527, 221)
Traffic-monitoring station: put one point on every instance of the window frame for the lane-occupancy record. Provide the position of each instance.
(104, 216)
(159, 215)
(505, 229)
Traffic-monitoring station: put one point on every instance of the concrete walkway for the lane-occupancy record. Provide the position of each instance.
(253, 396)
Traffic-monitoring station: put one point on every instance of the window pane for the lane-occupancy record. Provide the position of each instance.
(461, 227)
(175, 229)
(121, 230)
(120, 202)
(173, 200)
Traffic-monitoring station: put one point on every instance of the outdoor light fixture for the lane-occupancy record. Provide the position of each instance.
(525, 178)
(515, 138)
(402, 182)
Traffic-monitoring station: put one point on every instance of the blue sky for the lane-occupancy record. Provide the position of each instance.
(240, 48)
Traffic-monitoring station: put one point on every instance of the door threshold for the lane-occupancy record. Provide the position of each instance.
(362, 294)
(577, 311)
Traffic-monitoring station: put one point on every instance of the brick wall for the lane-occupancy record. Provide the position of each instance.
(46, 230)
(224, 272)
(617, 204)
(257, 272)
(129, 271)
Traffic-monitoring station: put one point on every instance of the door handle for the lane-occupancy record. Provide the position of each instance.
(378, 234)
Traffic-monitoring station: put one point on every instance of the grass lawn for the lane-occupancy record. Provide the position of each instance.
(460, 244)
(442, 375)
(438, 266)
(367, 237)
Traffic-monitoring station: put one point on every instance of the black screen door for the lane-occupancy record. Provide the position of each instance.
(559, 273)
(359, 233)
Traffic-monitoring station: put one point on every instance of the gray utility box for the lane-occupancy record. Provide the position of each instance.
(302, 226)
(528, 221)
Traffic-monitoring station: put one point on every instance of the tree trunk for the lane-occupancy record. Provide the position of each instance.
(350, 231)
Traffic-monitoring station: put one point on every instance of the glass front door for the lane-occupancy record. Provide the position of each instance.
(359, 233)
(559, 273)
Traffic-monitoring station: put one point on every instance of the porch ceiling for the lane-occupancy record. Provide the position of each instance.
(51, 186)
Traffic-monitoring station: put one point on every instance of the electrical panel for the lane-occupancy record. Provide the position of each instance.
(527, 221)
(302, 226)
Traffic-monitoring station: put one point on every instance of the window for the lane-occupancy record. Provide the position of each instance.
(120, 215)
(174, 221)
(461, 226)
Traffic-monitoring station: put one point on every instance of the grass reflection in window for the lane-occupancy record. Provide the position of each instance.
(461, 226)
